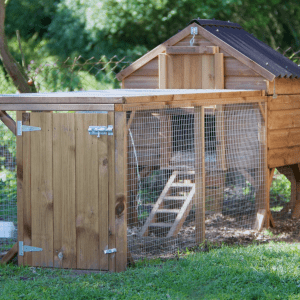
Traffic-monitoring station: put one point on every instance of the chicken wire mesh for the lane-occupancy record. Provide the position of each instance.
(8, 188)
(193, 174)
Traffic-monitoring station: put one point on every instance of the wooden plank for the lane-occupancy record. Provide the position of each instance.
(283, 157)
(20, 188)
(8, 121)
(260, 218)
(103, 191)
(233, 67)
(42, 189)
(192, 73)
(10, 255)
(141, 82)
(192, 50)
(186, 103)
(284, 119)
(153, 53)
(175, 67)
(283, 138)
(87, 194)
(198, 41)
(162, 71)
(199, 198)
(284, 102)
(262, 112)
(120, 135)
(166, 133)
(284, 86)
(245, 83)
(58, 107)
(111, 196)
(149, 69)
(64, 190)
(28, 99)
(208, 72)
(220, 137)
(219, 70)
(26, 192)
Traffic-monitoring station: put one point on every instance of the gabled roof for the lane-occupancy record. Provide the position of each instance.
(235, 36)
(235, 41)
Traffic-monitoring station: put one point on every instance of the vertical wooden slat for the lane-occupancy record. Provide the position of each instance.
(27, 226)
(42, 189)
(103, 192)
(121, 194)
(64, 190)
(165, 140)
(219, 70)
(195, 72)
(175, 67)
(187, 66)
(162, 71)
(200, 174)
(111, 196)
(20, 190)
(87, 206)
(208, 72)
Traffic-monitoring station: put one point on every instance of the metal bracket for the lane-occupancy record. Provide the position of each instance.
(23, 249)
(24, 128)
(194, 30)
(101, 130)
(108, 251)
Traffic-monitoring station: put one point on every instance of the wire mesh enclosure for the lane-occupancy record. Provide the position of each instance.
(8, 188)
(193, 173)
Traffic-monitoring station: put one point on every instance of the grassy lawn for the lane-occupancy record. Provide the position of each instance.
(269, 271)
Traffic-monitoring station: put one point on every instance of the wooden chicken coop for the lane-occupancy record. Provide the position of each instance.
(121, 173)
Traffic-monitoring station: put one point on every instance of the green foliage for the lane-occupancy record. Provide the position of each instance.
(281, 186)
(269, 271)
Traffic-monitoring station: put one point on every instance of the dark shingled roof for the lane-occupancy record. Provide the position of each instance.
(235, 36)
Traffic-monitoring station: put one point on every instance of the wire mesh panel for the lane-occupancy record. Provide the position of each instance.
(193, 174)
(8, 188)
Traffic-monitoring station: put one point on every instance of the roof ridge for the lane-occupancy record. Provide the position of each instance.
(214, 22)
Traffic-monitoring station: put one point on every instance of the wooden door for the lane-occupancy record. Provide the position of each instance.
(67, 198)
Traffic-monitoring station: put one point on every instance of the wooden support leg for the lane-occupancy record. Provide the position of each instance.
(200, 174)
(10, 255)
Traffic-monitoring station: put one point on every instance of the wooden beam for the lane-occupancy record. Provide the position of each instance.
(284, 86)
(57, 107)
(283, 157)
(219, 70)
(10, 255)
(162, 71)
(284, 102)
(8, 121)
(199, 200)
(192, 50)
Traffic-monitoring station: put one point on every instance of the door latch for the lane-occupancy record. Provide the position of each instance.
(101, 130)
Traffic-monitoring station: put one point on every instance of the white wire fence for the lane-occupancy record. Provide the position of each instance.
(192, 175)
(8, 188)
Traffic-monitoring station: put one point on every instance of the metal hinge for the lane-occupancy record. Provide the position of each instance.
(23, 249)
(108, 251)
(23, 128)
(101, 130)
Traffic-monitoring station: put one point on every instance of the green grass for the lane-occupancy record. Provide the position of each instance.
(269, 271)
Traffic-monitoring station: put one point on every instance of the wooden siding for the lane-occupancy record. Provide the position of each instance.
(283, 130)
(141, 82)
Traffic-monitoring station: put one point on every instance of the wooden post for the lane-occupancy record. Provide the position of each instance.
(219, 70)
(208, 72)
(120, 135)
(162, 71)
(199, 174)
(165, 140)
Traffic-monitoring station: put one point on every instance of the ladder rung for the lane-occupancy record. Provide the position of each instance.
(161, 225)
(171, 211)
(182, 184)
(174, 198)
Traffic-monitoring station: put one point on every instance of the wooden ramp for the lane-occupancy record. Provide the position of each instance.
(175, 199)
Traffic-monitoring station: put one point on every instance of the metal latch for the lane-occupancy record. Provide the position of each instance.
(23, 249)
(23, 128)
(101, 130)
(108, 251)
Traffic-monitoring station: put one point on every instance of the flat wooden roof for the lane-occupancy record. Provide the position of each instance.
(105, 99)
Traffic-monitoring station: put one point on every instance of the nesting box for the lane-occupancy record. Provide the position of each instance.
(105, 178)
